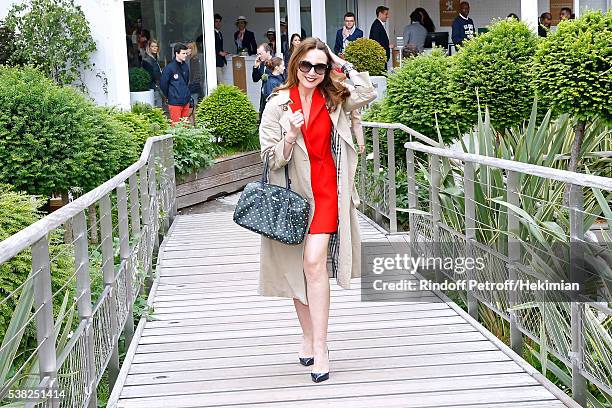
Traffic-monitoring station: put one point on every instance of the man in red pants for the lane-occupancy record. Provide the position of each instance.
(174, 83)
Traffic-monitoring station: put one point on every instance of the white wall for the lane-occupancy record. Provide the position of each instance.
(106, 22)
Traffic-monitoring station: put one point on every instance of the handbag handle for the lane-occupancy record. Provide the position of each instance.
(264, 176)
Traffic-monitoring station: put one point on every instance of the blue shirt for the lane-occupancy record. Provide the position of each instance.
(174, 83)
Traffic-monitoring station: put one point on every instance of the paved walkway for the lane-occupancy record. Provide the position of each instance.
(215, 342)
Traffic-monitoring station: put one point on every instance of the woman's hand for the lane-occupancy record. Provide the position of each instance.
(361, 148)
(337, 62)
(296, 120)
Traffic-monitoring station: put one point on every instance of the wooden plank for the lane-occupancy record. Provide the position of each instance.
(277, 349)
(337, 340)
(399, 311)
(408, 376)
(226, 177)
(373, 357)
(435, 362)
(370, 326)
(262, 326)
(224, 164)
(331, 390)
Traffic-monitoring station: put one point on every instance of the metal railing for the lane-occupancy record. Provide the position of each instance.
(112, 231)
(468, 204)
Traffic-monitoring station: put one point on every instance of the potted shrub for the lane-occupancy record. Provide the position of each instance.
(368, 55)
(140, 87)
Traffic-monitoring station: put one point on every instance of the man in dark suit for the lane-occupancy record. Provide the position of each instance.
(378, 32)
(220, 53)
(346, 34)
(244, 39)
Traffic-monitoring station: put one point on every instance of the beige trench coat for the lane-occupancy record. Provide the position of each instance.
(282, 266)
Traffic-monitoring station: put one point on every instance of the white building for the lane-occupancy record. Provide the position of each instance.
(185, 20)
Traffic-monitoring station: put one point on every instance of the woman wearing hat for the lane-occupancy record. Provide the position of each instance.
(244, 39)
(271, 36)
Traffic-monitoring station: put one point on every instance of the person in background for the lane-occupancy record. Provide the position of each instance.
(244, 39)
(545, 23)
(220, 53)
(284, 36)
(415, 33)
(174, 84)
(463, 26)
(271, 35)
(378, 32)
(296, 39)
(276, 77)
(195, 72)
(426, 21)
(349, 32)
(151, 64)
(565, 14)
(260, 71)
(514, 16)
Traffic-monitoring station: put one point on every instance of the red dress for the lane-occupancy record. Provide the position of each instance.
(317, 136)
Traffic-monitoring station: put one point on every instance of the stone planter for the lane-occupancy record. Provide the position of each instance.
(227, 175)
(143, 97)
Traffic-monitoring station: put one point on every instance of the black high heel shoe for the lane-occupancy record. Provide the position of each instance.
(318, 377)
(306, 361)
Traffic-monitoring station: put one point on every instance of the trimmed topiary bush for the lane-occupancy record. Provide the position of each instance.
(155, 115)
(572, 72)
(138, 126)
(53, 138)
(229, 115)
(495, 69)
(140, 80)
(194, 148)
(367, 55)
(418, 91)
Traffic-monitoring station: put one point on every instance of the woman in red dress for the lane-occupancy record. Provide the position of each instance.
(306, 128)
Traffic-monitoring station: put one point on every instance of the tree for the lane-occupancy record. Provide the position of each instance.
(54, 36)
(573, 72)
(494, 69)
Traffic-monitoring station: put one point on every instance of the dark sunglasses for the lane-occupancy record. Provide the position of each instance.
(320, 69)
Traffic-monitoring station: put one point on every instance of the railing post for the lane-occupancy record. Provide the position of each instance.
(152, 178)
(81, 255)
(375, 173)
(576, 221)
(514, 257)
(146, 227)
(434, 207)
(124, 253)
(470, 229)
(108, 269)
(170, 156)
(391, 174)
(43, 298)
(412, 196)
(134, 205)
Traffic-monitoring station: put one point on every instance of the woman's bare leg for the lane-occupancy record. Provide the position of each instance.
(317, 279)
(303, 314)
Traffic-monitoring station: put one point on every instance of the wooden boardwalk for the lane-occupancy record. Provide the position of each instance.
(215, 342)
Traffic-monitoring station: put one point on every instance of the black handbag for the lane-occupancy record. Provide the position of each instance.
(273, 211)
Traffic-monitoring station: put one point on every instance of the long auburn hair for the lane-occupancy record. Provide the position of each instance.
(334, 92)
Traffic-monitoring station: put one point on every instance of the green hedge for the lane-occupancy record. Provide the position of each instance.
(17, 211)
(155, 115)
(194, 148)
(367, 55)
(573, 67)
(419, 91)
(53, 138)
(495, 69)
(137, 125)
(229, 114)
